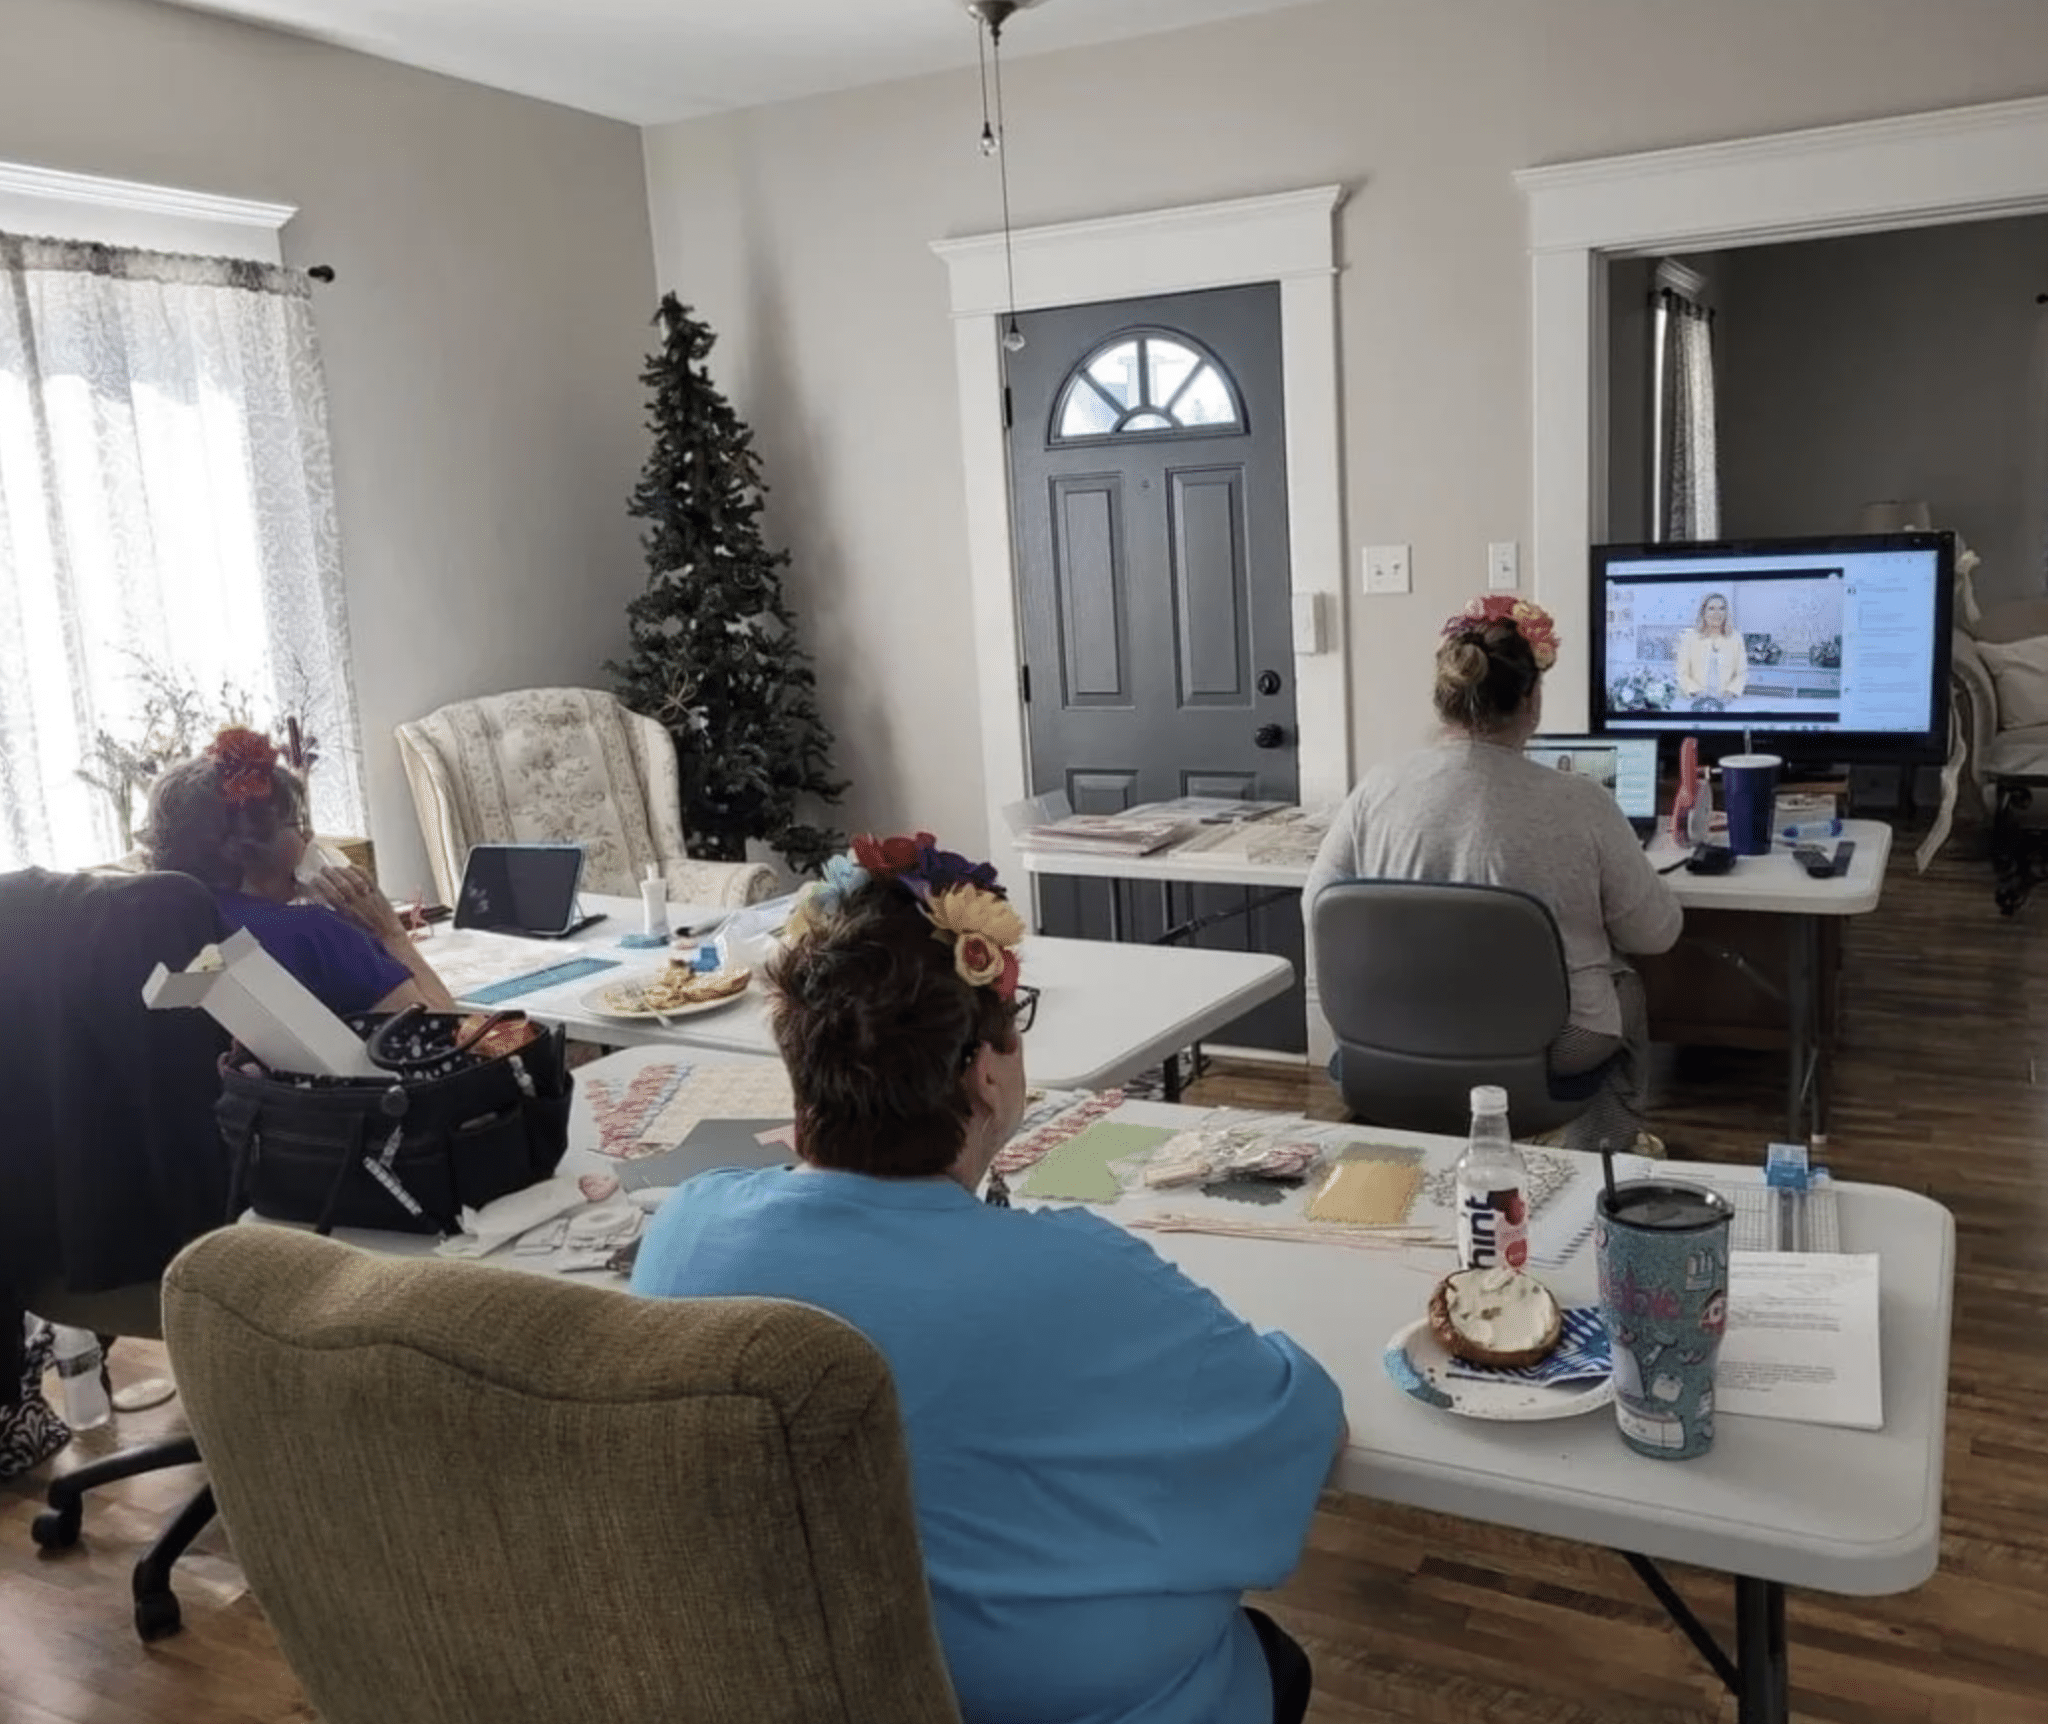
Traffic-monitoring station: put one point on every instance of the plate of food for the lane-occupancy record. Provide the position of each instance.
(1507, 1323)
(675, 992)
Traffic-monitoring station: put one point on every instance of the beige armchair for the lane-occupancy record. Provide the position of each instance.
(2001, 744)
(561, 766)
(463, 1493)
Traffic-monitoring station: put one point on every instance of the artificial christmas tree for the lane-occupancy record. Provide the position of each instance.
(715, 655)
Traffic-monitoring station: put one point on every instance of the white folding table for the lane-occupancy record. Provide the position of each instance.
(1105, 1012)
(1774, 1504)
(1772, 885)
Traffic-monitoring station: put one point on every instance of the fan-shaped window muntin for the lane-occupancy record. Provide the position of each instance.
(1146, 384)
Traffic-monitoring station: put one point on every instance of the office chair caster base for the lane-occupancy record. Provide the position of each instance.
(157, 1615)
(57, 1528)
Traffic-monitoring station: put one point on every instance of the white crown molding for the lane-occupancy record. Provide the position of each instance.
(1680, 279)
(1273, 238)
(18, 179)
(1889, 173)
(55, 205)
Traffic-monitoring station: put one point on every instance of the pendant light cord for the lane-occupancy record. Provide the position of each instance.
(1013, 337)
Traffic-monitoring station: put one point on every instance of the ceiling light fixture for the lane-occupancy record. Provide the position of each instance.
(989, 18)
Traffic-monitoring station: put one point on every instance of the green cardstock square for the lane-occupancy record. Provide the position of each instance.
(1078, 1171)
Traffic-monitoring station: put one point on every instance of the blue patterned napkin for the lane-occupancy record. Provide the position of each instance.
(1582, 1356)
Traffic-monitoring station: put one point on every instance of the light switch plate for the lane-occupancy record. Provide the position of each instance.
(1386, 569)
(1503, 566)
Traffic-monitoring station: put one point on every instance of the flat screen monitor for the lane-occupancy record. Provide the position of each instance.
(1624, 766)
(1830, 651)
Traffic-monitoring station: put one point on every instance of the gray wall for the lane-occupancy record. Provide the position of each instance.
(1892, 365)
(482, 341)
(801, 231)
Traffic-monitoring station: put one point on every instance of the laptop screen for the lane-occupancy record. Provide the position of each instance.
(530, 888)
(1627, 766)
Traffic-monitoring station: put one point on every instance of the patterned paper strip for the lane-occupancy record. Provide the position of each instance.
(622, 1121)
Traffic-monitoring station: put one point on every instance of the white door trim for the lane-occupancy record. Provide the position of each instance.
(1916, 170)
(1289, 238)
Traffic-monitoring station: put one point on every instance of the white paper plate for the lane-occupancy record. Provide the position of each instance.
(1420, 1368)
(595, 1001)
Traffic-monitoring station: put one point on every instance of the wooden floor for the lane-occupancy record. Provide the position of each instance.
(1426, 1620)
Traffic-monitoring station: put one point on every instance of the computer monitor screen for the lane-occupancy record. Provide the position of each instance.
(1625, 767)
(1825, 649)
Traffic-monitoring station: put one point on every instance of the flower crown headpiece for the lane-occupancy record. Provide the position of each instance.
(245, 764)
(1532, 620)
(966, 908)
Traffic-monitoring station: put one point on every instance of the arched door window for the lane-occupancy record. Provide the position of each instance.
(1149, 384)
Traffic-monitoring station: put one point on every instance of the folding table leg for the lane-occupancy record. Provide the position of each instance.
(1765, 1697)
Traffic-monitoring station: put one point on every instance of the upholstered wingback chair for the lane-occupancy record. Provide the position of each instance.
(561, 766)
(2002, 741)
(462, 1492)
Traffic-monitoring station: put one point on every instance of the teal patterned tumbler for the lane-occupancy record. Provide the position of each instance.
(1663, 1253)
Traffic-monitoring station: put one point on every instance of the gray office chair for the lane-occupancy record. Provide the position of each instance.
(1432, 987)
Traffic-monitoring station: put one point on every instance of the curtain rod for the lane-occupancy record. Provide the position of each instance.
(321, 272)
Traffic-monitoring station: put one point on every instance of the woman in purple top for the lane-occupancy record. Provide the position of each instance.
(236, 819)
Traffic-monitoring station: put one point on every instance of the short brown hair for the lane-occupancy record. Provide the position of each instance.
(194, 829)
(877, 1028)
(1484, 675)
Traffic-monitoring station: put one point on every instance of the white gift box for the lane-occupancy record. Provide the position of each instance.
(264, 1007)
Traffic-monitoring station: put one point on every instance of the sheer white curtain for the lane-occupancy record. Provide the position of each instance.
(1687, 480)
(166, 503)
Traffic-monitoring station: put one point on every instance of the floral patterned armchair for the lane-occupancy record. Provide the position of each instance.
(561, 766)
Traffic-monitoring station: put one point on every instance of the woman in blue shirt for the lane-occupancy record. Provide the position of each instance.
(236, 819)
(1103, 1456)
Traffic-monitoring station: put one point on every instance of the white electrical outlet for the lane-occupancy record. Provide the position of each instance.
(1386, 568)
(1503, 566)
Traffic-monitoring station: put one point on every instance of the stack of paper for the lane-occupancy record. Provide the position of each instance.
(1802, 1339)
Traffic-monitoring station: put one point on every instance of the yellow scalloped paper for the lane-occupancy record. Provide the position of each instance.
(1367, 1193)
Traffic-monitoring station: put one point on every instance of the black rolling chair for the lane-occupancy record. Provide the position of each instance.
(1431, 987)
(111, 1160)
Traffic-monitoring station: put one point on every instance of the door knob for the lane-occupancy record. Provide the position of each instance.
(1269, 682)
(1269, 736)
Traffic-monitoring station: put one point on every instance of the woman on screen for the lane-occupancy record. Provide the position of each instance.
(1712, 661)
(1476, 809)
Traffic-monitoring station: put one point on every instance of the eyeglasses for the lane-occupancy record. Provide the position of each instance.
(1023, 1013)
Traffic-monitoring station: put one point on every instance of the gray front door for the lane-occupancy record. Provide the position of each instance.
(1149, 472)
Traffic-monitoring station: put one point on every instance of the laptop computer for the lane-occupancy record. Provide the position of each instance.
(523, 889)
(1625, 765)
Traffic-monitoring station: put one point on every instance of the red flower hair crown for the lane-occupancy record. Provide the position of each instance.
(245, 765)
(1530, 619)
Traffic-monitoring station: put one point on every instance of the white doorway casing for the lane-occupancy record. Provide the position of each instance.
(1289, 238)
(1917, 170)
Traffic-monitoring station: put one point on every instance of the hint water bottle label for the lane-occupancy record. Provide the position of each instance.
(1493, 1229)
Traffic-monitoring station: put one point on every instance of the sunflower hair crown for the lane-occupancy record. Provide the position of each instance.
(962, 901)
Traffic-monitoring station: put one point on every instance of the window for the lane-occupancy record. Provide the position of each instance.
(168, 552)
(1147, 384)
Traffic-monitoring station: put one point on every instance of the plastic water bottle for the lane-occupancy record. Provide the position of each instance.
(1493, 1189)
(78, 1370)
(654, 901)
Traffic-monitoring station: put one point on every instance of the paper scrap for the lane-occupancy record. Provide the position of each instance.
(1367, 1193)
(1078, 1170)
